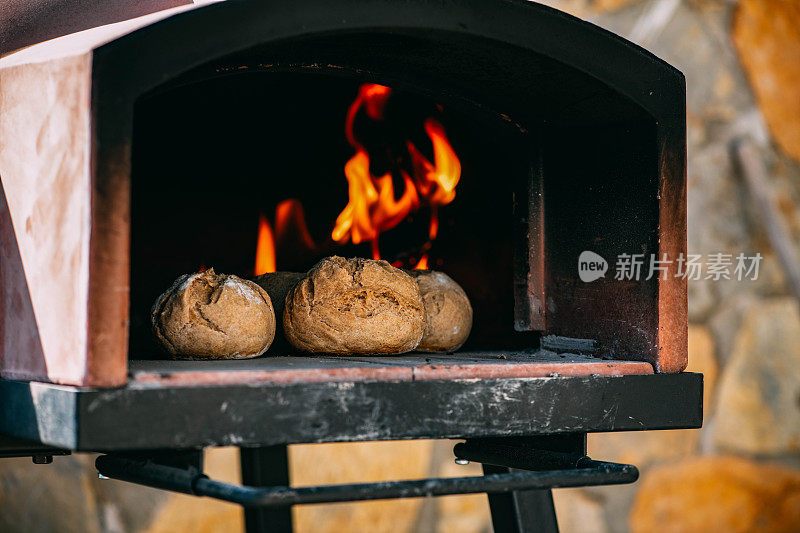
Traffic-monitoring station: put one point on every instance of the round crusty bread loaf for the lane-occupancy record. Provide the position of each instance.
(448, 313)
(278, 285)
(354, 306)
(214, 316)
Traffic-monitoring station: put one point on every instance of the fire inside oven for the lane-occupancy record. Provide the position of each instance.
(264, 170)
(261, 172)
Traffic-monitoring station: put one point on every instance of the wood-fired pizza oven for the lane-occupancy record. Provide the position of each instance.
(138, 151)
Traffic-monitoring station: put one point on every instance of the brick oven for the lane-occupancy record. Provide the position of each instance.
(137, 151)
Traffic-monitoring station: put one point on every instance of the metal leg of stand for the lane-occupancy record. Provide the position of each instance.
(530, 511)
(527, 511)
(264, 467)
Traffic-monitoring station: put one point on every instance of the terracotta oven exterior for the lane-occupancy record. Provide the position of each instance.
(599, 111)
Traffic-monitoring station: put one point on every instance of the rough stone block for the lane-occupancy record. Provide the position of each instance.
(319, 464)
(578, 512)
(728, 494)
(703, 360)
(768, 41)
(757, 407)
(47, 498)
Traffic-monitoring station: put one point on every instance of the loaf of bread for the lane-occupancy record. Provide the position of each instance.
(354, 306)
(206, 315)
(278, 285)
(448, 313)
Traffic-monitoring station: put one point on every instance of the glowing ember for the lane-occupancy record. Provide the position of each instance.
(372, 207)
(265, 248)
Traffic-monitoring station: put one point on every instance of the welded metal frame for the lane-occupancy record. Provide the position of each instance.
(528, 433)
(192, 481)
(520, 498)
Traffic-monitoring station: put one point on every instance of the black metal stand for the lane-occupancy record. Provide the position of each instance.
(143, 416)
(529, 434)
(522, 511)
(525, 510)
(518, 478)
(39, 453)
(266, 467)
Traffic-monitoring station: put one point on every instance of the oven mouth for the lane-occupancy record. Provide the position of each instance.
(227, 171)
(217, 163)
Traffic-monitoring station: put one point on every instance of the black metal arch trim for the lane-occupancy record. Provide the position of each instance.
(135, 63)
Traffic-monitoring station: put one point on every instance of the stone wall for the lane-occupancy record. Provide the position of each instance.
(741, 472)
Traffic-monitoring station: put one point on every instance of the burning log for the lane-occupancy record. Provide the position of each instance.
(448, 313)
(206, 315)
(354, 306)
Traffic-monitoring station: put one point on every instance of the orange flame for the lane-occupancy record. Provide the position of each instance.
(422, 264)
(372, 207)
(290, 229)
(265, 247)
(373, 98)
(290, 222)
(436, 181)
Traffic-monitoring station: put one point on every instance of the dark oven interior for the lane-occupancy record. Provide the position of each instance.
(246, 139)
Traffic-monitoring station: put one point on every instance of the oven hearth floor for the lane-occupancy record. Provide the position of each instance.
(288, 400)
(406, 367)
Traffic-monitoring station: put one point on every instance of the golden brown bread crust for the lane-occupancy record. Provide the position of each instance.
(214, 316)
(448, 313)
(354, 306)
